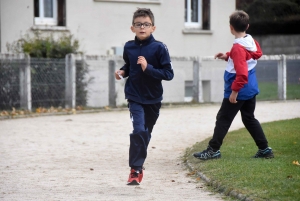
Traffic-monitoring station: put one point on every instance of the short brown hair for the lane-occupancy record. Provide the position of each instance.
(239, 20)
(143, 12)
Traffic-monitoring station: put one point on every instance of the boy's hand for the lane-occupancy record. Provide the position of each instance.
(233, 96)
(221, 56)
(141, 60)
(119, 74)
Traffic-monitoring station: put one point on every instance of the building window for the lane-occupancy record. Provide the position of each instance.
(197, 14)
(132, 1)
(50, 12)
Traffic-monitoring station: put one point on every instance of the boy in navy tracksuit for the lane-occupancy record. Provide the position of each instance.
(240, 90)
(147, 63)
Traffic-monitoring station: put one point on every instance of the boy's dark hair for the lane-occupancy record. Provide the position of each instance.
(239, 20)
(143, 12)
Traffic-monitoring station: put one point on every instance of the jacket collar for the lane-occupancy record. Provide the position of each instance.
(144, 42)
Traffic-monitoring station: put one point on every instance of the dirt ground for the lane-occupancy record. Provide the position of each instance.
(85, 156)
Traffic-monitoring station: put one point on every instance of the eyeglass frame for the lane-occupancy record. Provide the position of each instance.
(142, 24)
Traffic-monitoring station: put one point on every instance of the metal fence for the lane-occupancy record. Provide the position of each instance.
(279, 77)
(87, 80)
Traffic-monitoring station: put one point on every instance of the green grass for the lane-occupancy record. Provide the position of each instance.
(269, 91)
(259, 179)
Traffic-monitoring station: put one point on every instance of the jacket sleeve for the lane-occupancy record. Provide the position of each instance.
(166, 72)
(126, 66)
(227, 54)
(238, 55)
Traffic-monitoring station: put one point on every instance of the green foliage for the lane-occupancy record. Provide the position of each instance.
(273, 16)
(48, 47)
(47, 72)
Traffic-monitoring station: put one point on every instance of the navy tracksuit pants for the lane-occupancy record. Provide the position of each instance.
(225, 117)
(143, 117)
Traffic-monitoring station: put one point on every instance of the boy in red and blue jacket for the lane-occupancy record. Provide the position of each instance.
(240, 90)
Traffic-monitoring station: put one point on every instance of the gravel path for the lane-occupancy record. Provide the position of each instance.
(85, 156)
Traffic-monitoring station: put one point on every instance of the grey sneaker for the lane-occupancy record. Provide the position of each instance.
(207, 154)
(264, 153)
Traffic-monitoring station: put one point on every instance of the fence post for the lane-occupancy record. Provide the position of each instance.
(70, 69)
(282, 78)
(196, 81)
(111, 84)
(25, 83)
(200, 82)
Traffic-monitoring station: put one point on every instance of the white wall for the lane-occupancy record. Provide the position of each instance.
(99, 26)
(16, 19)
(102, 25)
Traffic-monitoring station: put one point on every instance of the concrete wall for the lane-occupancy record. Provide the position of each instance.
(279, 44)
(16, 19)
(98, 88)
(212, 76)
(101, 25)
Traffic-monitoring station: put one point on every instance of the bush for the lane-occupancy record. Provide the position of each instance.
(272, 16)
(47, 47)
(47, 72)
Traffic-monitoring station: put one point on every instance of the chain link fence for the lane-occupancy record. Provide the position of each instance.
(88, 81)
(47, 82)
(10, 66)
(279, 77)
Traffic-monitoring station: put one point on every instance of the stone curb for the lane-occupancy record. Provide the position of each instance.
(217, 185)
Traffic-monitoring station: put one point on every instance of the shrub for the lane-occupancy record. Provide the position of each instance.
(47, 71)
(272, 16)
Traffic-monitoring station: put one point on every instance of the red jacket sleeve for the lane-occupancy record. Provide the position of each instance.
(238, 55)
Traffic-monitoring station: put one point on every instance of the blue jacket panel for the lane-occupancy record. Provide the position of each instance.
(247, 92)
(145, 87)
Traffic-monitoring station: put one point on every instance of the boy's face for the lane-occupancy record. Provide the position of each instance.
(142, 27)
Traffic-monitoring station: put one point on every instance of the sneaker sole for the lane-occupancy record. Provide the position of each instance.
(205, 159)
(134, 182)
(269, 156)
(266, 157)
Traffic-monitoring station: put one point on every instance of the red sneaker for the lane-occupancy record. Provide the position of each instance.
(135, 177)
(141, 174)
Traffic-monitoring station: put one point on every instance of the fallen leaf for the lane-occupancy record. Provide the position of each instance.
(191, 173)
(296, 163)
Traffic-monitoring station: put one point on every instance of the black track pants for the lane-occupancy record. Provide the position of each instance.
(225, 117)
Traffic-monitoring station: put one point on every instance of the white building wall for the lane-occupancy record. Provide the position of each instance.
(16, 19)
(99, 26)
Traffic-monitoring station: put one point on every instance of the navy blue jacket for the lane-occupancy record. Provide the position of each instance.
(145, 87)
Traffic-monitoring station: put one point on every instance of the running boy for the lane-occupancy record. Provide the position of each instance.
(240, 91)
(147, 63)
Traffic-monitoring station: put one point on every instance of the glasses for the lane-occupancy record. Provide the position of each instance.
(139, 25)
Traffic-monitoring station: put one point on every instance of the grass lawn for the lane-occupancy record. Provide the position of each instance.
(269, 91)
(259, 179)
